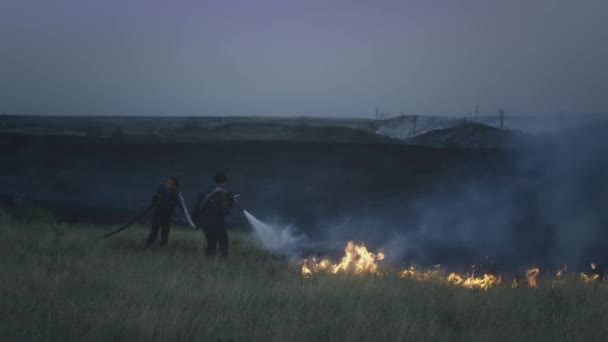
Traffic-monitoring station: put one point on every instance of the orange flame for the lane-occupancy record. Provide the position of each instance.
(588, 278)
(306, 272)
(412, 273)
(531, 276)
(472, 282)
(356, 260)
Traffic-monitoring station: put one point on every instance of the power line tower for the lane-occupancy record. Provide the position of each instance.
(501, 118)
(414, 120)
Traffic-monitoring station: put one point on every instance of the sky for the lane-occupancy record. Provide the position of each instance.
(317, 58)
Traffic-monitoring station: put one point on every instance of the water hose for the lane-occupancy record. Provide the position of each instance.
(139, 217)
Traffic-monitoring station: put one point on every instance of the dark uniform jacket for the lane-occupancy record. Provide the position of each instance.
(164, 202)
(212, 207)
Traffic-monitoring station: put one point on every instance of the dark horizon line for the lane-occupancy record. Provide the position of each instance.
(300, 116)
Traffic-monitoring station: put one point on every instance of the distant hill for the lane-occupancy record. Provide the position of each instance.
(406, 126)
(272, 131)
(195, 129)
(403, 127)
(468, 135)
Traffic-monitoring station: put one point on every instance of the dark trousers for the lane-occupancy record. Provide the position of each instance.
(164, 224)
(214, 238)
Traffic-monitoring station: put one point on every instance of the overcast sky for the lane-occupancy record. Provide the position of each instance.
(322, 58)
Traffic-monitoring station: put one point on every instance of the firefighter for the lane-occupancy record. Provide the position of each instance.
(211, 209)
(164, 202)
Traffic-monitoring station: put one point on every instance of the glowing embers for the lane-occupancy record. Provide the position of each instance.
(590, 277)
(413, 273)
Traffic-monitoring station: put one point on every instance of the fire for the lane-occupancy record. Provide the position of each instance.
(559, 280)
(588, 278)
(313, 266)
(469, 281)
(356, 260)
(412, 273)
(531, 276)
(472, 282)
(306, 272)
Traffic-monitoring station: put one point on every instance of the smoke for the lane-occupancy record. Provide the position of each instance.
(279, 240)
(540, 201)
(545, 203)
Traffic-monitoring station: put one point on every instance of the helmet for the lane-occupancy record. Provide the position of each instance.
(220, 178)
(176, 181)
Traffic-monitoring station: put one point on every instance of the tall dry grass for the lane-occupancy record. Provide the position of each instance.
(64, 283)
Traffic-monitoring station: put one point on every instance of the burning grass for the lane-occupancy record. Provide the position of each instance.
(358, 260)
(62, 282)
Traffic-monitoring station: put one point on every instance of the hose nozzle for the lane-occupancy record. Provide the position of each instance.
(236, 202)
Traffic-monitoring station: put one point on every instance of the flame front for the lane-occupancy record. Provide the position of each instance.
(469, 281)
(531, 276)
(306, 272)
(412, 273)
(472, 282)
(356, 260)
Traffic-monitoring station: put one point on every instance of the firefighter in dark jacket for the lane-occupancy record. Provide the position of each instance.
(212, 208)
(164, 202)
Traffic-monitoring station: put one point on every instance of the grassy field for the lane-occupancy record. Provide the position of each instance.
(63, 282)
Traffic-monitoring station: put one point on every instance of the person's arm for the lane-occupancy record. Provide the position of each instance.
(155, 198)
(236, 203)
(227, 202)
(185, 209)
(205, 202)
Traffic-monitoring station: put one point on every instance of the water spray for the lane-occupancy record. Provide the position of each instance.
(280, 240)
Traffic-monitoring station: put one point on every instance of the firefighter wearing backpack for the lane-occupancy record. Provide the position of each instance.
(211, 210)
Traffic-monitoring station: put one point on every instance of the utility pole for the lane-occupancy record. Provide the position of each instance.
(414, 119)
(501, 117)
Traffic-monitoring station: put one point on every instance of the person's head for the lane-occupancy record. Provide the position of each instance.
(220, 178)
(172, 183)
